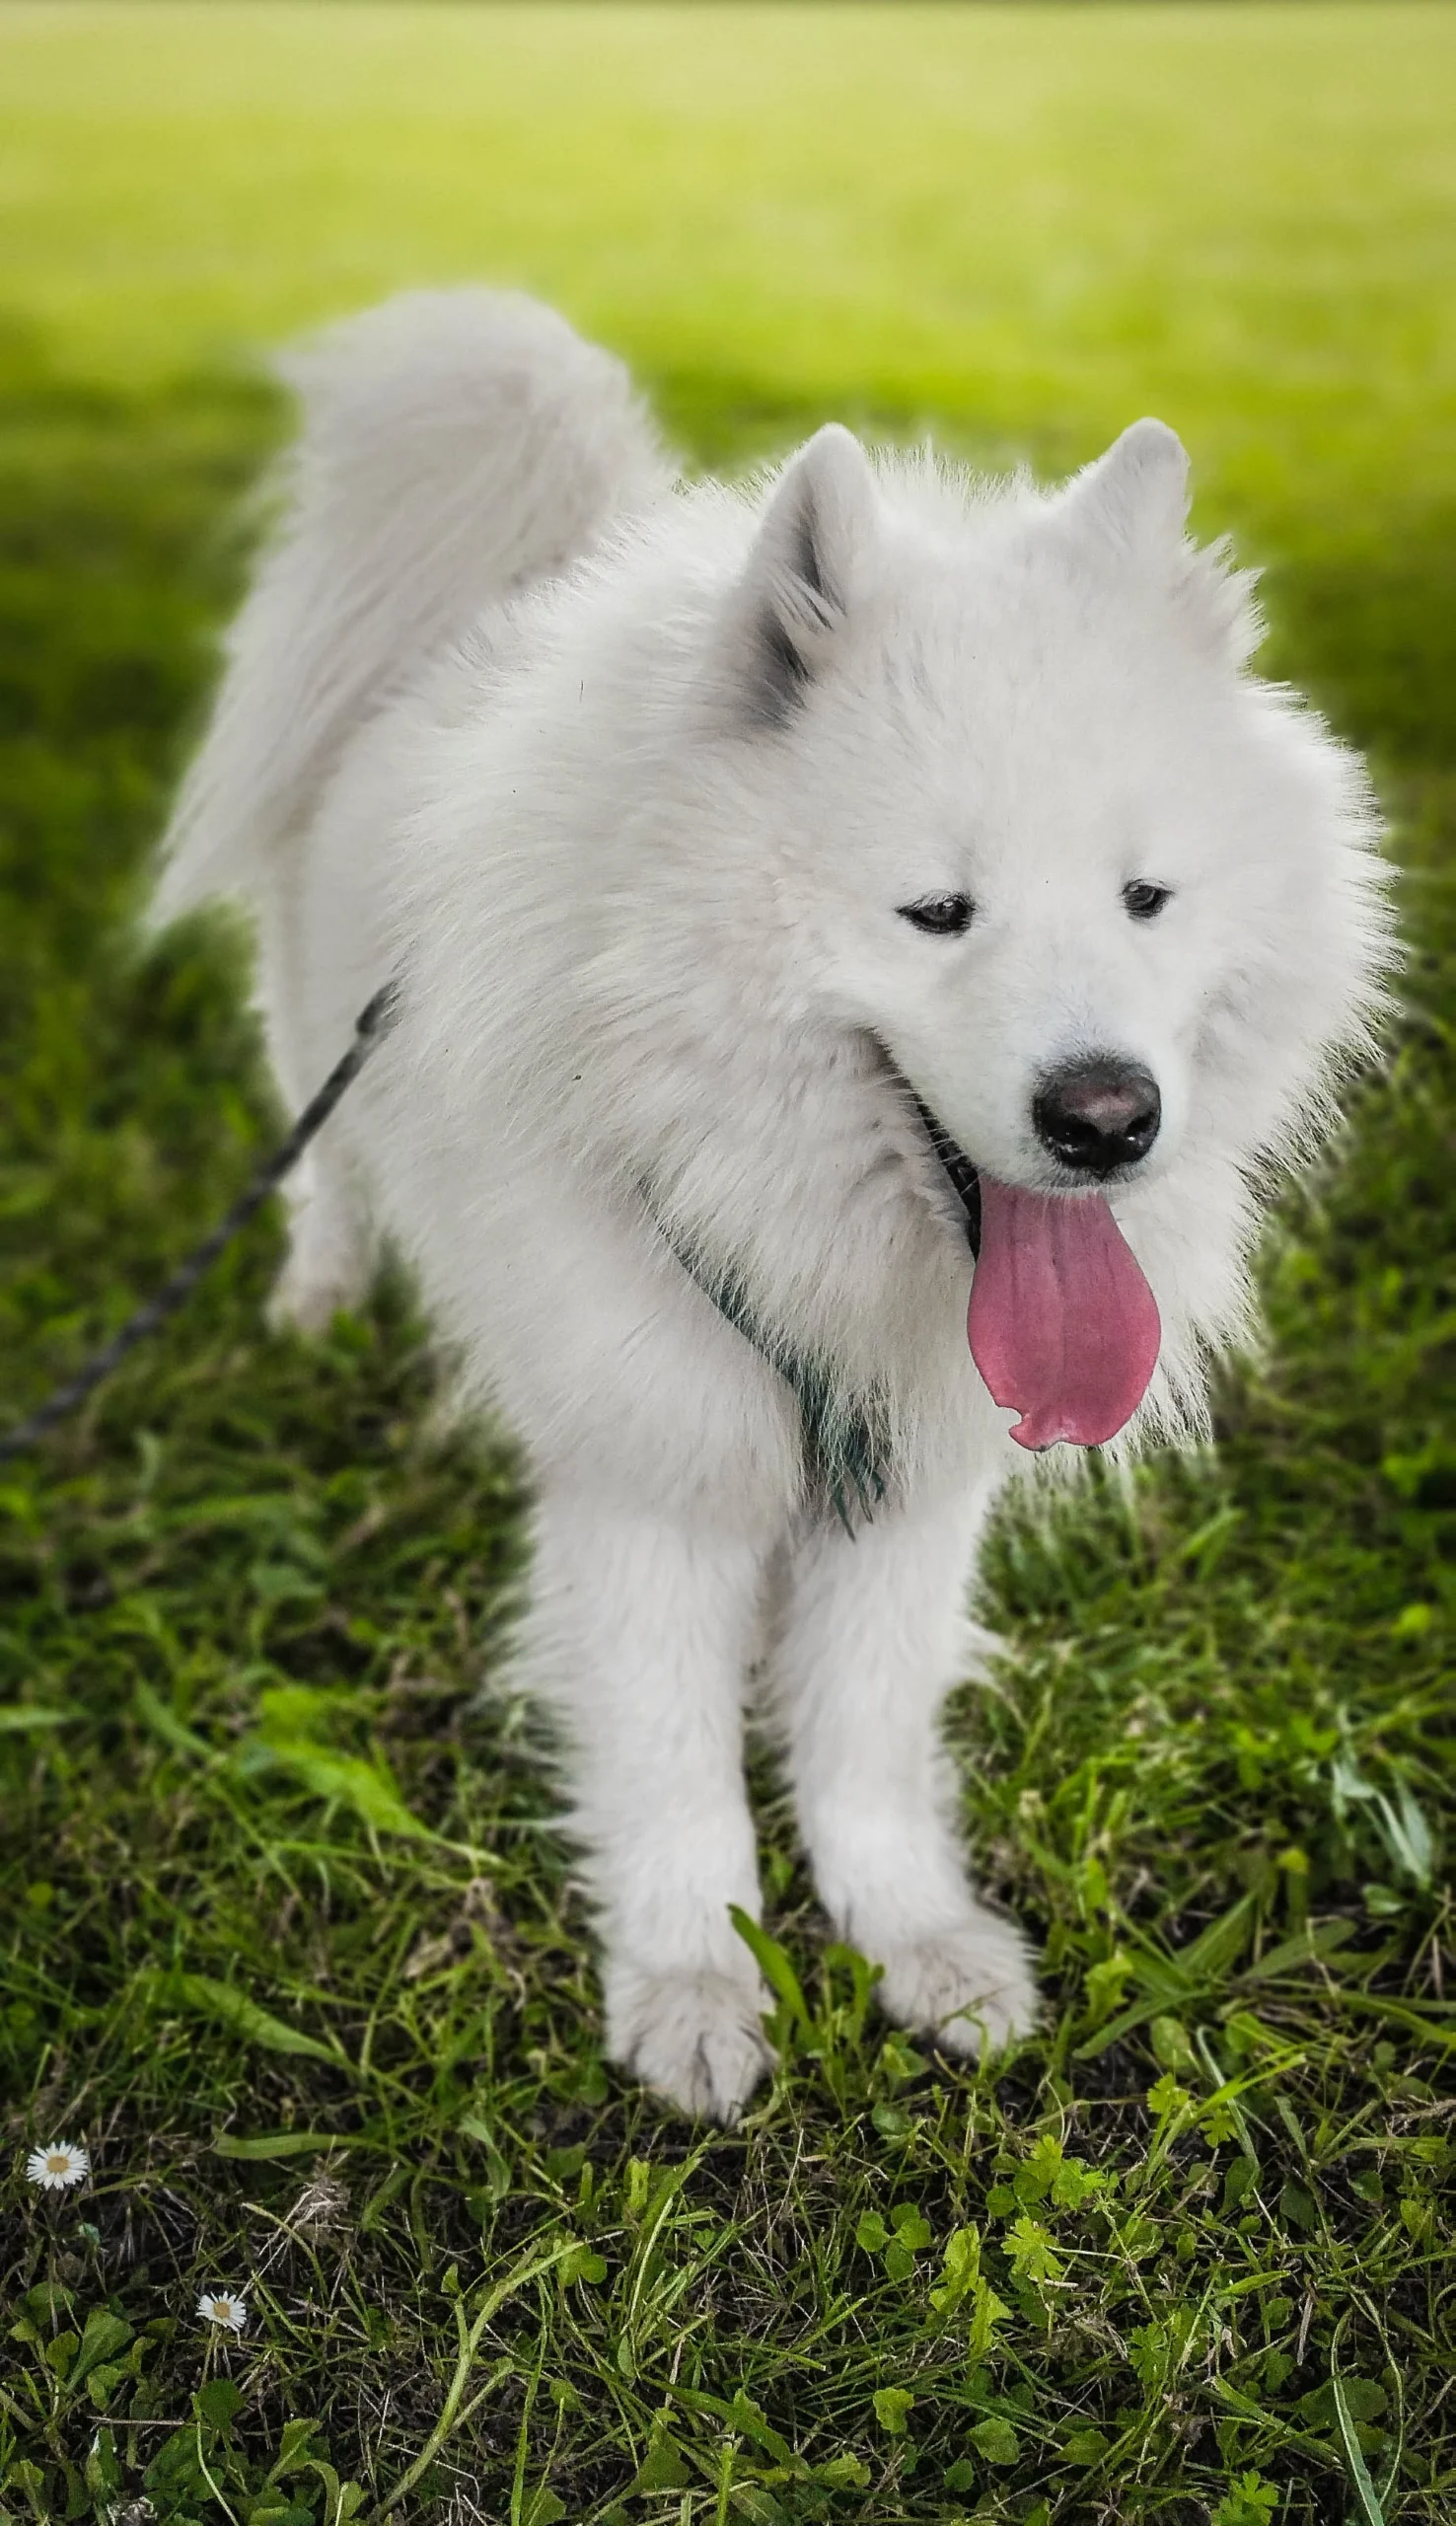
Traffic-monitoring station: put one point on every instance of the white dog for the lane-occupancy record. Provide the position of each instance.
(789, 889)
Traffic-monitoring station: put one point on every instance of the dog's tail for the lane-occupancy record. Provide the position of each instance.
(455, 444)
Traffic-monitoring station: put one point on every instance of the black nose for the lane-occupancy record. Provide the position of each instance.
(1098, 1115)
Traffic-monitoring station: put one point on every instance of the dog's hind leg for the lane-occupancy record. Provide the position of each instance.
(870, 1639)
(330, 1250)
(639, 1637)
(330, 1262)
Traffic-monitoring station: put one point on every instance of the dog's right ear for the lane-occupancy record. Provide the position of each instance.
(794, 596)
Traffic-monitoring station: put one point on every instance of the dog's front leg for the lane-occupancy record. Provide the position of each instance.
(638, 1638)
(871, 1638)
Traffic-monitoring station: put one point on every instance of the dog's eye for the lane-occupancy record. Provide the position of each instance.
(939, 916)
(1145, 902)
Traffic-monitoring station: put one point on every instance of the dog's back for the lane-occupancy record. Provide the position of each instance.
(456, 445)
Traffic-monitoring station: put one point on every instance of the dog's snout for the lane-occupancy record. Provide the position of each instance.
(1098, 1115)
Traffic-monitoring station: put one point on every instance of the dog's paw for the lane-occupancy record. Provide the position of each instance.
(695, 2037)
(982, 1649)
(970, 1985)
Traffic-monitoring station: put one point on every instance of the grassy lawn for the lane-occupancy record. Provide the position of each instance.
(288, 1942)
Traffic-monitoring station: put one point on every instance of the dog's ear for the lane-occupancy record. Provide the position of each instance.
(795, 594)
(1133, 504)
(1135, 496)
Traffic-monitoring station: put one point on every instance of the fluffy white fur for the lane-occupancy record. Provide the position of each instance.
(627, 778)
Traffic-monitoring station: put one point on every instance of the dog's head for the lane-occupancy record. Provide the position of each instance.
(1108, 902)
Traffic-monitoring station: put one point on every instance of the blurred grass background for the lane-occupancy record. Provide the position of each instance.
(285, 1935)
(1239, 219)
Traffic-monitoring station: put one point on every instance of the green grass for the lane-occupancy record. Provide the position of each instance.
(287, 1938)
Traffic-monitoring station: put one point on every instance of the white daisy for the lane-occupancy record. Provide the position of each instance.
(230, 2309)
(64, 2162)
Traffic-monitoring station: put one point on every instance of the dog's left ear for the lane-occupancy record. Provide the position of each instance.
(1136, 495)
(794, 596)
(1131, 505)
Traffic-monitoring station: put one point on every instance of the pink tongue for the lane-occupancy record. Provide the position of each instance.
(1062, 1325)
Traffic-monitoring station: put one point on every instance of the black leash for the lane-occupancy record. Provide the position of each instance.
(371, 1024)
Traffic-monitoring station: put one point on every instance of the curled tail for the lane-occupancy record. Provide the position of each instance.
(455, 444)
